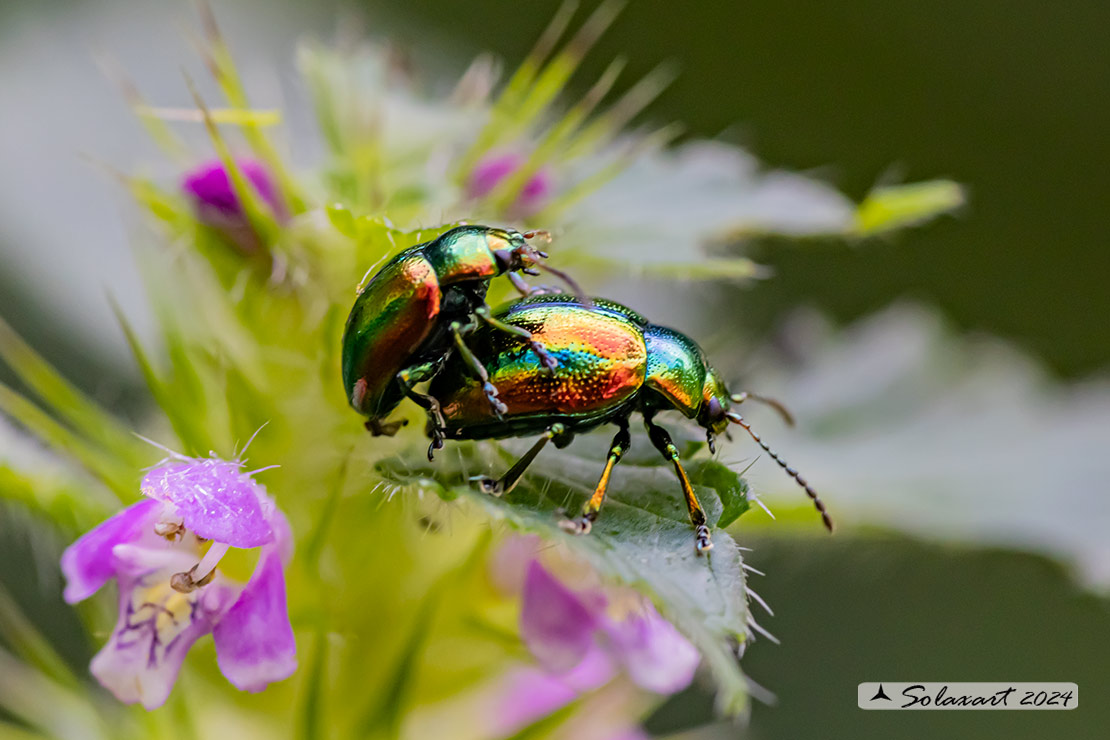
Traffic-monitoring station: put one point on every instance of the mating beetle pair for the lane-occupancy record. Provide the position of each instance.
(553, 365)
(417, 309)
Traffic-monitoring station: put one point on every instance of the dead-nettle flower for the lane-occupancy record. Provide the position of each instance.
(208, 187)
(586, 637)
(491, 171)
(170, 593)
(582, 639)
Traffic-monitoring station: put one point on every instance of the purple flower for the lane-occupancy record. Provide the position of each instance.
(170, 592)
(565, 629)
(490, 172)
(209, 188)
(582, 639)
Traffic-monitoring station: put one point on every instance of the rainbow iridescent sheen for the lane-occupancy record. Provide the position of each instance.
(676, 368)
(601, 358)
(395, 317)
(391, 318)
(611, 361)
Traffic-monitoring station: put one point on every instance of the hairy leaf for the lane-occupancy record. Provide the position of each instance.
(643, 538)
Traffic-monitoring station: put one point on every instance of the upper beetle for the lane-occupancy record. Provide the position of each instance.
(611, 363)
(415, 311)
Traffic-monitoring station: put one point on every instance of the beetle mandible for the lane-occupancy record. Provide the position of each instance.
(611, 363)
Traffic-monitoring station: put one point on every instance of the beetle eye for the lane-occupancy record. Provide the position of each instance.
(504, 259)
(716, 411)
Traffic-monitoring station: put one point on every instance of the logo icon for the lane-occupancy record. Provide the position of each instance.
(880, 694)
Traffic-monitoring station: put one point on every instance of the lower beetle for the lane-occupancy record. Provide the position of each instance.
(415, 311)
(611, 363)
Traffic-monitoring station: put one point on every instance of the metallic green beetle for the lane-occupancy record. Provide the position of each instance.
(416, 310)
(611, 363)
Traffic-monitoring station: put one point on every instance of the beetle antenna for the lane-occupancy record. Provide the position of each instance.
(736, 418)
(776, 405)
(571, 282)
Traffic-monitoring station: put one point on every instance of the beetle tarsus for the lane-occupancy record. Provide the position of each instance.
(544, 356)
(702, 542)
(499, 408)
(490, 486)
(436, 443)
(580, 525)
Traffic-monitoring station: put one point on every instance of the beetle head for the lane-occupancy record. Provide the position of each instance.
(518, 255)
(712, 414)
(524, 257)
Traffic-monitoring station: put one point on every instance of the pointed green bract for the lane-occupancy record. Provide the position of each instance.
(226, 74)
(895, 207)
(64, 399)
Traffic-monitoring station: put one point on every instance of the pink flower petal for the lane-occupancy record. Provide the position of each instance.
(88, 563)
(529, 694)
(156, 628)
(216, 500)
(490, 172)
(254, 640)
(556, 623)
(210, 187)
(656, 656)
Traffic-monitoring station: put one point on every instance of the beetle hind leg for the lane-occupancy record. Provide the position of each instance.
(436, 423)
(662, 441)
(584, 523)
(507, 482)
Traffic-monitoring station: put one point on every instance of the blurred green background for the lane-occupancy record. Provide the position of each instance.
(1008, 98)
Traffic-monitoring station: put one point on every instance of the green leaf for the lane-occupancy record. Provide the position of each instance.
(226, 74)
(64, 399)
(386, 712)
(23, 635)
(255, 208)
(341, 218)
(710, 268)
(898, 206)
(181, 415)
(533, 89)
(643, 538)
(311, 725)
(732, 489)
(117, 476)
(232, 116)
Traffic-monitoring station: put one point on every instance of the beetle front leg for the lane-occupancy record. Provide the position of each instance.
(662, 441)
(528, 291)
(583, 524)
(479, 369)
(545, 358)
(507, 482)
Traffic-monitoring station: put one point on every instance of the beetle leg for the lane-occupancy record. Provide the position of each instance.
(518, 282)
(582, 525)
(482, 312)
(479, 369)
(436, 423)
(528, 291)
(663, 443)
(507, 482)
